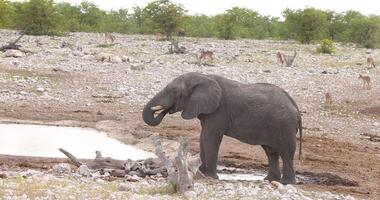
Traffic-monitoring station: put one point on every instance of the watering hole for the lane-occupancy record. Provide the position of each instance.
(44, 141)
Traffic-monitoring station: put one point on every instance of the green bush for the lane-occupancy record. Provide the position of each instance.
(326, 46)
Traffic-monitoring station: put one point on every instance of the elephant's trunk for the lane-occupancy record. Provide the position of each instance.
(148, 114)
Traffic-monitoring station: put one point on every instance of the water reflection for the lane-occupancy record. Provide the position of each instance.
(44, 141)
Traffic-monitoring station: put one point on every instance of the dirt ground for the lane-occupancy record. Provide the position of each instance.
(329, 165)
(341, 151)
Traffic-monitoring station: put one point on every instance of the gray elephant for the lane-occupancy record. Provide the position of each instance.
(259, 114)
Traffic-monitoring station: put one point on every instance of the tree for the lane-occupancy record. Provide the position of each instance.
(306, 25)
(166, 15)
(39, 17)
(71, 15)
(6, 11)
(90, 16)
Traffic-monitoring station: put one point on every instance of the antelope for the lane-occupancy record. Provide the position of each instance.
(159, 36)
(328, 98)
(109, 38)
(371, 62)
(366, 81)
(206, 54)
(280, 57)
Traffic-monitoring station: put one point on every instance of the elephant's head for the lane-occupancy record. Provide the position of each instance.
(192, 93)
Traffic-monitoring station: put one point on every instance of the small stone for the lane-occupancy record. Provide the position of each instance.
(116, 59)
(15, 62)
(84, 170)
(3, 176)
(190, 194)
(126, 59)
(124, 187)
(77, 53)
(137, 67)
(376, 123)
(61, 168)
(40, 89)
(14, 53)
(89, 57)
(103, 57)
(291, 189)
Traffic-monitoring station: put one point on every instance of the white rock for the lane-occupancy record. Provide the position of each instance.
(61, 168)
(84, 170)
(89, 57)
(77, 53)
(126, 59)
(137, 67)
(103, 56)
(40, 89)
(190, 194)
(14, 53)
(116, 59)
(124, 187)
(376, 123)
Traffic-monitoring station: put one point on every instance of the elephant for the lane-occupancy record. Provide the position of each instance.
(257, 114)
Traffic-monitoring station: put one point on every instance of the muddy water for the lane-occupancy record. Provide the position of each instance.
(237, 174)
(44, 141)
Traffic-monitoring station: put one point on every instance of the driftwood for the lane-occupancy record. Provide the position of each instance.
(120, 168)
(290, 59)
(13, 45)
(175, 48)
(179, 171)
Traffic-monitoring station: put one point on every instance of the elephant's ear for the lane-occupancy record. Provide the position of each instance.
(203, 99)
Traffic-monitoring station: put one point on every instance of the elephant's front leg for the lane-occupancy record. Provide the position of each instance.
(209, 144)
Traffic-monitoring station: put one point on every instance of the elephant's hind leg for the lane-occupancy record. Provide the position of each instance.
(288, 175)
(273, 158)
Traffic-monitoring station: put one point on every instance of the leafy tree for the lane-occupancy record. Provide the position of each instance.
(6, 11)
(39, 17)
(90, 16)
(306, 25)
(166, 15)
(199, 26)
(71, 15)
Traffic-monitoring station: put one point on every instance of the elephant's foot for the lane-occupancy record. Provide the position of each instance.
(211, 175)
(273, 177)
(286, 180)
(208, 173)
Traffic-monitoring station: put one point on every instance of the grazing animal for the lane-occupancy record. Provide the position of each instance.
(280, 57)
(181, 33)
(258, 114)
(159, 36)
(328, 98)
(109, 38)
(371, 62)
(206, 54)
(366, 81)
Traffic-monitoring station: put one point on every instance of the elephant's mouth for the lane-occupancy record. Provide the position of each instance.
(159, 109)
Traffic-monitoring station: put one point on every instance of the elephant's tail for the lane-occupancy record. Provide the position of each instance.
(300, 130)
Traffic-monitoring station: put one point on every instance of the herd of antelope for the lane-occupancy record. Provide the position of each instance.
(281, 58)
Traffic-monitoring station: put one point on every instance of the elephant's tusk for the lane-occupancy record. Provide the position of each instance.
(157, 108)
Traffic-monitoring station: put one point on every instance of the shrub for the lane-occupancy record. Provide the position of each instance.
(326, 46)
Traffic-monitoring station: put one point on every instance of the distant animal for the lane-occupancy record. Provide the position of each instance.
(328, 98)
(206, 54)
(258, 114)
(371, 62)
(280, 57)
(159, 36)
(366, 81)
(109, 38)
(181, 33)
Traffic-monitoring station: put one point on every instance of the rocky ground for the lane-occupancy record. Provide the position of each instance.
(79, 81)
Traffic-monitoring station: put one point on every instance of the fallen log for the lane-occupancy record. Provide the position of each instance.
(13, 45)
(180, 171)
